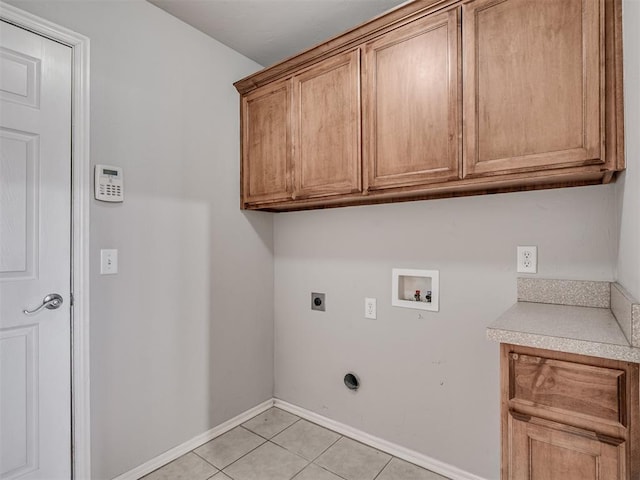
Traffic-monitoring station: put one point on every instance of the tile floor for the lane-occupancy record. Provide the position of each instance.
(277, 445)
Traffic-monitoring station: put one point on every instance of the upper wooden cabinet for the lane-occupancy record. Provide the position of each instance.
(291, 148)
(411, 111)
(266, 144)
(439, 98)
(326, 128)
(532, 82)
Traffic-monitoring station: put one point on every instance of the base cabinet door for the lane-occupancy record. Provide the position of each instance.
(544, 450)
(533, 85)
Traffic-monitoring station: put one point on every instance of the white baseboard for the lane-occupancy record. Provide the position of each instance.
(411, 456)
(195, 442)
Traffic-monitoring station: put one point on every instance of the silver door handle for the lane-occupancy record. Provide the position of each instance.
(50, 302)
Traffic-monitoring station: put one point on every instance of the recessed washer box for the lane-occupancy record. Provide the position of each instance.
(417, 289)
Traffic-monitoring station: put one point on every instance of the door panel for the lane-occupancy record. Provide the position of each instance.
(532, 85)
(411, 103)
(35, 192)
(19, 155)
(20, 79)
(19, 358)
(327, 127)
(544, 450)
(266, 144)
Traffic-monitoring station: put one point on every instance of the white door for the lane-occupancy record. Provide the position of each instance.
(35, 209)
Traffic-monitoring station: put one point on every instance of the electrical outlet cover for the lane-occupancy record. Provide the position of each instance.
(370, 310)
(527, 259)
(317, 301)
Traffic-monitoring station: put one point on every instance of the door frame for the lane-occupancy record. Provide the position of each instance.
(80, 203)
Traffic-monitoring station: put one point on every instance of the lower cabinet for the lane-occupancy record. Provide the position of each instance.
(540, 449)
(568, 417)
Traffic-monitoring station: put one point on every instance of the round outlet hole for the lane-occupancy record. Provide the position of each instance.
(351, 381)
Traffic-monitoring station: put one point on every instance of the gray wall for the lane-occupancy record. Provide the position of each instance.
(628, 186)
(164, 108)
(182, 337)
(431, 383)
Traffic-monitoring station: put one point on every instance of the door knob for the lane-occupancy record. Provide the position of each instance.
(50, 302)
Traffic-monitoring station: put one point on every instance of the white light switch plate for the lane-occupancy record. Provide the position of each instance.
(108, 261)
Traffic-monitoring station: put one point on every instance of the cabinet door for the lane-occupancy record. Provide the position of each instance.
(327, 128)
(410, 99)
(266, 144)
(543, 450)
(532, 85)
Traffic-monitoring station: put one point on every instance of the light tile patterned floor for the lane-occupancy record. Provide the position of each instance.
(277, 445)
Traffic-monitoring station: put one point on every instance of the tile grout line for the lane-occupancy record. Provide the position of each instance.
(273, 443)
(353, 440)
(278, 433)
(201, 457)
(302, 469)
(275, 434)
(266, 440)
(292, 453)
(323, 452)
(240, 458)
(330, 471)
(309, 462)
(385, 466)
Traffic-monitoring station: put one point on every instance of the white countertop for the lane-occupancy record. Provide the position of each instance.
(582, 330)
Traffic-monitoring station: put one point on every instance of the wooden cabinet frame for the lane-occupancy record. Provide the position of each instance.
(421, 169)
(588, 149)
(266, 148)
(584, 403)
(332, 150)
(594, 159)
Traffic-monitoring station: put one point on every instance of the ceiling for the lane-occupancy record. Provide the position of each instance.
(268, 31)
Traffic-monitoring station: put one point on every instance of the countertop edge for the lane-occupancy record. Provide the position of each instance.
(567, 345)
(570, 294)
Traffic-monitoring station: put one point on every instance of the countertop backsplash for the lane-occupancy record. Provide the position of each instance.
(585, 317)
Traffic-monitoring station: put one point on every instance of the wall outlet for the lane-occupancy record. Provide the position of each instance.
(528, 259)
(317, 301)
(370, 310)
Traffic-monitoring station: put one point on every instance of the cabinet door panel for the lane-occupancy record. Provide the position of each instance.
(266, 144)
(532, 85)
(571, 388)
(327, 128)
(543, 450)
(411, 109)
